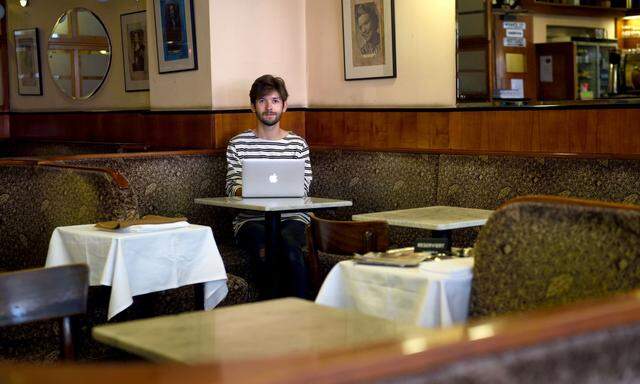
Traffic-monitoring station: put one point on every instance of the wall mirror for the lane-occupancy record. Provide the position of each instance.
(79, 53)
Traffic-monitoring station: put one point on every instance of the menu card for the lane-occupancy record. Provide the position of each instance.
(403, 257)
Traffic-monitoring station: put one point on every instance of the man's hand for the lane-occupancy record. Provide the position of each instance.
(239, 192)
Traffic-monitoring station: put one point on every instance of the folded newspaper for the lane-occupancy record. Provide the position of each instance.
(148, 220)
(403, 257)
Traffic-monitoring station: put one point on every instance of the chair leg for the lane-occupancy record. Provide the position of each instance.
(68, 351)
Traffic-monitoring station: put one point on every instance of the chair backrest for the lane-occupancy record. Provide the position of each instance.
(539, 251)
(344, 238)
(45, 293)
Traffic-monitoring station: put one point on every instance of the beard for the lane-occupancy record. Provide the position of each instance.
(269, 122)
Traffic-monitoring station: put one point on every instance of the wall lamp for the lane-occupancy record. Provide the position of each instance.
(24, 3)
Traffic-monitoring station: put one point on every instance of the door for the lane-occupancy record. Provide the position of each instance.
(515, 55)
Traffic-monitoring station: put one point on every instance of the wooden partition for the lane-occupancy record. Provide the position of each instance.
(608, 131)
(602, 131)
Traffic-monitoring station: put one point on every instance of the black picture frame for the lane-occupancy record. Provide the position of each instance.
(28, 68)
(135, 56)
(175, 35)
(369, 39)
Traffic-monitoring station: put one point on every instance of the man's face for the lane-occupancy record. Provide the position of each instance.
(269, 108)
(365, 26)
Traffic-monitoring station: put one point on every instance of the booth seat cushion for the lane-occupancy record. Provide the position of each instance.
(545, 251)
(36, 200)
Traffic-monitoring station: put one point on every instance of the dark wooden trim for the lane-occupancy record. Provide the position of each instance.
(572, 10)
(145, 111)
(120, 180)
(633, 102)
(28, 161)
(587, 130)
(558, 155)
(136, 155)
(570, 201)
(4, 60)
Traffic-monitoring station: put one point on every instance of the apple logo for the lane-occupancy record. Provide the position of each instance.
(273, 178)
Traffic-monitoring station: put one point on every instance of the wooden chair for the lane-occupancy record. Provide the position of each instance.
(339, 240)
(45, 293)
(541, 251)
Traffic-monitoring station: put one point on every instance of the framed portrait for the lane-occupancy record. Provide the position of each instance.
(368, 30)
(175, 35)
(28, 62)
(134, 51)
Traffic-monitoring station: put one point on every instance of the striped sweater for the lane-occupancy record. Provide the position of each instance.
(247, 145)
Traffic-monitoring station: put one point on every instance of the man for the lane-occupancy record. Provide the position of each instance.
(268, 98)
(367, 21)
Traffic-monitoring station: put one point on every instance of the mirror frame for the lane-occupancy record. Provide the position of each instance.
(106, 73)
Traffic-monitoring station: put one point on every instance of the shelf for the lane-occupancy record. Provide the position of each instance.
(572, 10)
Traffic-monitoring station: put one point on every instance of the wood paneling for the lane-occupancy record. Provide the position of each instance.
(180, 130)
(162, 130)
(587, 132)
(5, 132)
(520, 131)
(230, 124)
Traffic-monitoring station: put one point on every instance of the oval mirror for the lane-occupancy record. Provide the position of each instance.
(79, 53)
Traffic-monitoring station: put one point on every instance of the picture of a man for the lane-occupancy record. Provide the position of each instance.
(173, 27)
(268, 97)
(138, 53)
(368, 45)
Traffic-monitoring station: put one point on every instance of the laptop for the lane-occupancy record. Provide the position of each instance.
(273, 178)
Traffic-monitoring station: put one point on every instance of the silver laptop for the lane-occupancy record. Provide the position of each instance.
(273, 178)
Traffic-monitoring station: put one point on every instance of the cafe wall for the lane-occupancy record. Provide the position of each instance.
(43, 15)
(251, 38)
(187, 89)
(425, 50)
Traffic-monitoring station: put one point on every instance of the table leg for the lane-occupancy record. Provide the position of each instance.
(444, 234)
(199, 296)
(272, 258)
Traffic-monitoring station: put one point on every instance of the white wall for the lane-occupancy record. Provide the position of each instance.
(251, 38)
(425, 51)
(188, 89)
(43, 15)
(540, 23)
(239, 40)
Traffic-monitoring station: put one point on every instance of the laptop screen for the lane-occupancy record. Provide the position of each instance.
(273, 177)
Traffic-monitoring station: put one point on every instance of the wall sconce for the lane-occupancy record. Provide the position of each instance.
(24, 3)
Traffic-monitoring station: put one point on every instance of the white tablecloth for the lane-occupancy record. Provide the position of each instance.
(138, 263)
(432, 295)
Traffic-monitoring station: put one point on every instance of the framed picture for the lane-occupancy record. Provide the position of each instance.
(28, 62)
(369, 39)
(134, 51)
(175, 35)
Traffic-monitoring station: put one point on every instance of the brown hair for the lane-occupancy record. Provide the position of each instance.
(265, 84)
